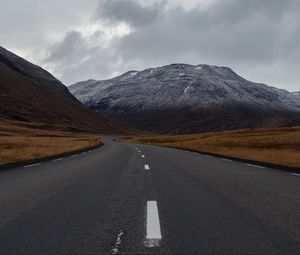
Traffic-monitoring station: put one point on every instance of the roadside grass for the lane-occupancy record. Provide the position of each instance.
(280, 146)
(19, 143)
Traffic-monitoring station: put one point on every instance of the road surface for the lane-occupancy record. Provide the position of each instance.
(141, 199)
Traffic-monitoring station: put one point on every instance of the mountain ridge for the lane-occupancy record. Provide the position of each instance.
(32, 71)
(32, 95)
(297, 93)
(190, 99)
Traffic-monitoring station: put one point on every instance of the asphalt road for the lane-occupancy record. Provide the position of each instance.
(127, 199)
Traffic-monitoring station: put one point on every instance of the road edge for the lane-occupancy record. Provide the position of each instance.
(44, 159)
(247, 161)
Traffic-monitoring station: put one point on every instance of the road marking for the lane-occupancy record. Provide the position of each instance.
(147, 167)
(58, 159)
(295, 174)
(32, 165)
(115, 248)
(143, 156)
(225, 159)
(255, 166)
(153, 232)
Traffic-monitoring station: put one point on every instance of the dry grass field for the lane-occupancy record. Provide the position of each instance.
(280, 146)
(21, 142)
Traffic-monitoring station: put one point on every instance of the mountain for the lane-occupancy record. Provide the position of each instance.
(297, 93)
(30, 94)
(188, 99)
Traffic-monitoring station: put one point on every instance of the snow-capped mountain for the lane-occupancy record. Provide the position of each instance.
(297, 93)
(186, 98)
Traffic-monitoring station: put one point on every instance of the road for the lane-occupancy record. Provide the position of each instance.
(142, 199)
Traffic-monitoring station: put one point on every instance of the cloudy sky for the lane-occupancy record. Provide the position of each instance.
(98, 39)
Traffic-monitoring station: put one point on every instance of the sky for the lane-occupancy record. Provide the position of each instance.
(77, 40)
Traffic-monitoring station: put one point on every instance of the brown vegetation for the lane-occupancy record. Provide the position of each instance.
(279, 146)
(19, 142)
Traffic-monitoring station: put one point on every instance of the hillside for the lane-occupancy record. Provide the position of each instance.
(182, 98)
(30, 94)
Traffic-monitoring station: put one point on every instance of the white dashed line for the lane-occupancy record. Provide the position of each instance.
(32, 165)
(295, 174)
(225, 159)
(116, 247)
(58, 159)
(255, 166)
(153, 232)
(143, 156)
(147, 167)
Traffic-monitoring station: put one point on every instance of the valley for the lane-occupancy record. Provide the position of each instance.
(39, 117)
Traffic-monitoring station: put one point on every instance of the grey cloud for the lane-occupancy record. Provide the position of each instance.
(74, 59)
(232, 30)
(28, 26)
(129, 11)
(242, 34)
(259, 39)
(72, 46)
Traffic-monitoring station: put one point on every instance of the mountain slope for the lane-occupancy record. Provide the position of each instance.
(296, 93)
(188, 99)
(32, 95)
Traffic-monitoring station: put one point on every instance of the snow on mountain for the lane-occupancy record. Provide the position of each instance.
(192, 98)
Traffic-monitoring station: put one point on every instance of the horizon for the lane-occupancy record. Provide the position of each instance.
(109, 78)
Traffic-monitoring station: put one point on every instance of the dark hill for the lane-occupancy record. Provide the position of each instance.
(30, 94)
